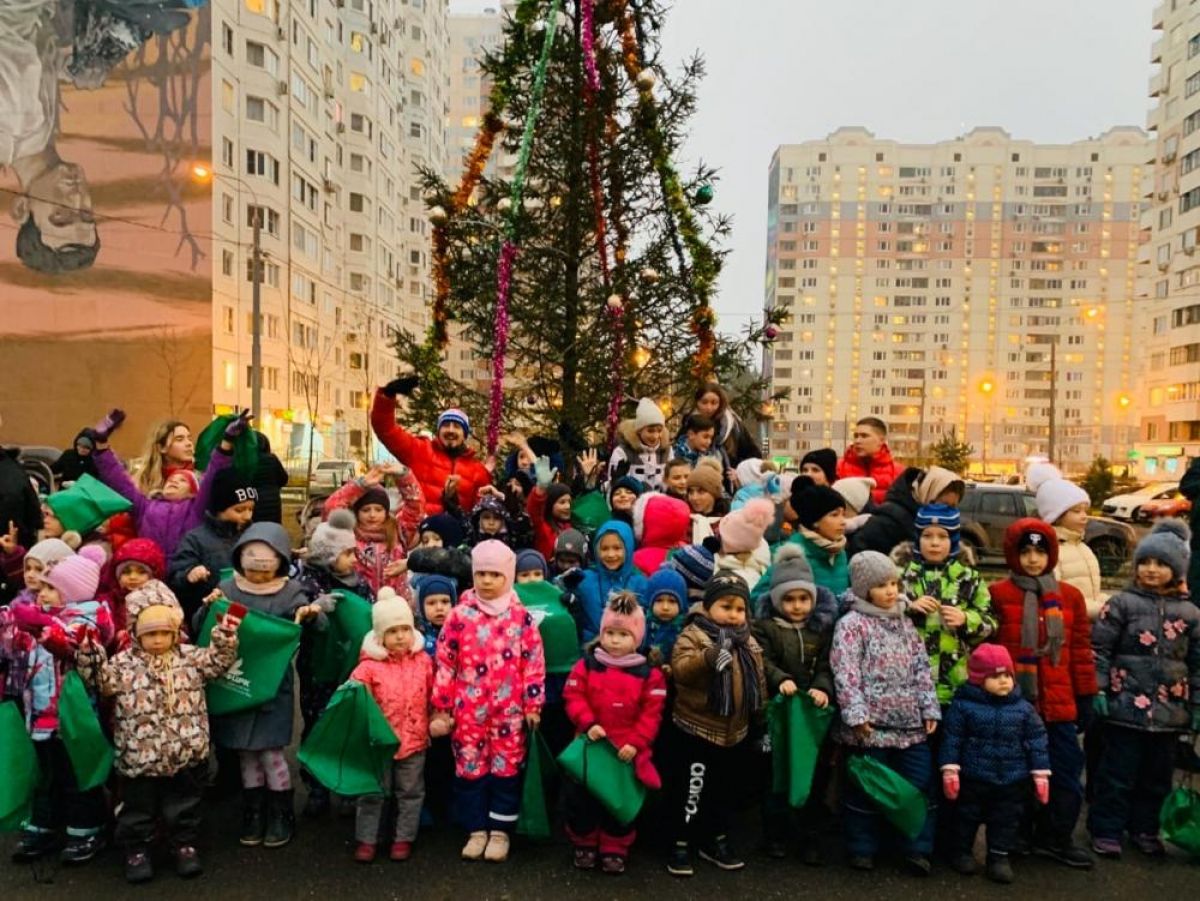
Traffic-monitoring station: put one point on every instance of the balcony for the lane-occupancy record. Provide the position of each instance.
(1158, 17)
(1156, 50)
(1158, 84)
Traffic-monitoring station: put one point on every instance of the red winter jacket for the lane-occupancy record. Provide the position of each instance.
(1075, 675)
(428, 459)
(660, 524)
(546, 529)
(627, 703)
(880, 467)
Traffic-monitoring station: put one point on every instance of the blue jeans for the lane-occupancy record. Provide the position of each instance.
(861, 818)
(1133, 778)
(1057, 822)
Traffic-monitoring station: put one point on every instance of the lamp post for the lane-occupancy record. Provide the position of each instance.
(986, 387)
(1120, 436)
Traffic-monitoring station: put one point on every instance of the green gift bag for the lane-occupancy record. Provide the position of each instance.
(534, 816)
(610, 780)
(898, 800)
(335, 650)
(1180, 819)
(86, 504)
(266, 645)
(88, 749)
(560, 638)
(245, 448)
(798, 727)
(21, 773)
(352, 745)
(589, 512)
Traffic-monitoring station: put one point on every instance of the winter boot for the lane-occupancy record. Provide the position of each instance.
(281, 819)
(253, 818)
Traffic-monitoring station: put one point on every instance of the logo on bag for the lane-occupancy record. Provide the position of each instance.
(695, 787)
(235, 678)
(537, 616)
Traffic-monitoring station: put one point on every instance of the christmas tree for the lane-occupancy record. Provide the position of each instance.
(586, 269)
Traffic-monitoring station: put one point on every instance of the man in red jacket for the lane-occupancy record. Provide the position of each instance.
(434, 461)
(870, 457)
(1043, 623)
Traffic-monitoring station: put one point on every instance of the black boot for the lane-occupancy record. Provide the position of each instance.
(281, 819)
(253, 818)
(317, 803)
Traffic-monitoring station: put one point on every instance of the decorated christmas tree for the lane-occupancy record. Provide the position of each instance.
(585, 270)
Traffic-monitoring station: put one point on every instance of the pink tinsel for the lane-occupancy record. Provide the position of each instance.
(614, 403)
(504, 272)
(587, 37)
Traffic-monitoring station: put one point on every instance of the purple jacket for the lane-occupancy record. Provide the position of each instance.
(164, 522)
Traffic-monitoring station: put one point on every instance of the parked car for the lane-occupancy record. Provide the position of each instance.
(1129, 506)
(329, 475)
(987, 510)
(1176, 505)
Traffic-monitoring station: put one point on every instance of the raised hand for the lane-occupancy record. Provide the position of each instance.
(8, 540)
(109, 424)
(237, 427)
(544, 472)
(589, 460)
(405, 385)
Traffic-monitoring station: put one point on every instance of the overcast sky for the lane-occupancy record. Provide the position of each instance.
(786, 71)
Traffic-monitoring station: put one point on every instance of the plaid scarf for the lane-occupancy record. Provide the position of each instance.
(720, 689)
(1041, 596)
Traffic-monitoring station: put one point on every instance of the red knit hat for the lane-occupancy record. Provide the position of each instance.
(988, 660)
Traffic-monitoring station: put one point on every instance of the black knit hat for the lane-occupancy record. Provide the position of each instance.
(812, 502)
(230, 488)
(826, 458)
(376, 495)
(725, 583)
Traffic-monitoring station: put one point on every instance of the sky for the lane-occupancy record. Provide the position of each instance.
(787, 71)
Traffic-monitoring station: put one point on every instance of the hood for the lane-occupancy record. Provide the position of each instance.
(901, 490)
(1013, 534)
(627, 434)
(625, 533)
(270, 533)
(906, 552)
(661, 521)
(491, 504)
(933, 482)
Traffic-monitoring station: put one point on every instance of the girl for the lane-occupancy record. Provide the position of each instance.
(717, 667)
(1065, 506)
(661, 524)
(642, 448)
(613, 695)
(821, 533)
(170, 449)
(613, 570)
(490, 520)
(1148, 668)
(489, 686)
(887, 700)
(622, 495)
(732, 435)
(39, 560)
(549, 508)
(706, 497)
(398, 674)
(743, 549)
(137, 562)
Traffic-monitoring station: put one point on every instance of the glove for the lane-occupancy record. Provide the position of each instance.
(572, 577)
(1041, 787)
(238, 426)
(723, 659)
(950, 784)
(109, 424)
(543, 472)
(405, 385)
(1100, 705)
(28, 618)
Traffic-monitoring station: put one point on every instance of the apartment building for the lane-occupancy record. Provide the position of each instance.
(984, 285)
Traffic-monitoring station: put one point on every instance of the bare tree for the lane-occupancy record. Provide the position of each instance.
(177, 357)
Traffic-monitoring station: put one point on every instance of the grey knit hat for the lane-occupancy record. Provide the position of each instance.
(1168, 542)
(332, 537)
(790, 571)
(870, 569)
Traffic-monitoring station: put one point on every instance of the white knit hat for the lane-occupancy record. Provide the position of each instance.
(1039, 473)
(856, 491)
(1056, 496)
(332, 537)
(390, 610)
(647, 414)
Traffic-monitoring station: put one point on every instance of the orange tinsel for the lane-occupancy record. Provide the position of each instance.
(485, 140)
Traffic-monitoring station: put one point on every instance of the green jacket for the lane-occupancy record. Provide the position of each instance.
(956, 583)
(801, 655)
(832, 572)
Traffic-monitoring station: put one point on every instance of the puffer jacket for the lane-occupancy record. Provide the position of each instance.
(400, 685)
(161, 712)
(752, 566)
(1147, 649)
(1078, 566)
(627, 703)
(881, 467)
(660, 524)
(598, 582)
(799, 654)
(993, 739)
(631, 457)
(892, 521)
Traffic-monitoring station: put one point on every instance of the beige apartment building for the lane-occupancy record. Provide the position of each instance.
(322, 112)
(1169, 403)
(983, 284)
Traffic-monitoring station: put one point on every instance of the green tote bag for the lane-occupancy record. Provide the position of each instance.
(610, 780)
(560, 638)
(352, 745)
(88, 749)
(534, 814)
(21, 772)
(898, 800)
(335, 650)
(1180, 819)
(798, 728)
(266, 645)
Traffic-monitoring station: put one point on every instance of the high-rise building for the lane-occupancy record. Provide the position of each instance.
(1168, 407)
(983, 285)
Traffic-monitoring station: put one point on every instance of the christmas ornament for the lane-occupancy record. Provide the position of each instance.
(704, 195)
(650, 275)
(615, 303)
(533, 204)
(504, 205)
(437, 215)
(771, 332)
(646, 80)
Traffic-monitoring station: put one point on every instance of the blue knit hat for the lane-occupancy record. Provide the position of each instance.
(695, 563)
(944, 517)
(433, 584)
(667, 580)
(530, 559)
(456, 416)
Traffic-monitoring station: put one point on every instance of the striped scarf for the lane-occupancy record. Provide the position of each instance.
(720, 690)
(1041, 597)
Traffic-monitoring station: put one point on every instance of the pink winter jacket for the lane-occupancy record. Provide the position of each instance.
(373, 555)
(400, 685)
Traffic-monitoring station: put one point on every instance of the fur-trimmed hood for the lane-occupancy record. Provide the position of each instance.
(373, 650)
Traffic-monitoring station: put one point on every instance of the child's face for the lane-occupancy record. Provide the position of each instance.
(623, 500)
(651, 435)
(814, 472)
(160, 641)
(832, 525)
(885, 596)
(950, 497)
(429, 538)
(52, 527)
(372, 516)
(49, 596)
(796, 606)
(530, 575)
(562, 509)
(728, 611)
(259, 577)
(701, 441)
(437, 608)
(1154, 575)
(34, 570)
(133, 576)
(1033, 560)
(618, 642)
(700, 500)
(1076, 518)
(999, 684)
(344, 563)
(611, 551)
(565, 561)
(489, 585)
(398, 639)
(239, 514)
(935, 545)
(490, 523)
(525, 459)
(178, 487)
(665, 608)
(676, 479)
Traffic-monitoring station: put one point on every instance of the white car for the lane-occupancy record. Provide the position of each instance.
(1129, 506)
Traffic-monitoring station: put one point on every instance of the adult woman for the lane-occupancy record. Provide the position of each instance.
(170, 449)
(732, 435)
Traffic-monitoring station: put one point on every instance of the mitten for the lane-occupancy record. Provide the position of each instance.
(572, 577)
(1041, 787)
(109, 424)
(28, 618)
(1100, 705)
(405, 385)
(712, 544)
(544, 472)
(238, 426)
(723, 659)
(950, 784)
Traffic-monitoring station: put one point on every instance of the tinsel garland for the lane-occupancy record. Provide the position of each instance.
(508, 255)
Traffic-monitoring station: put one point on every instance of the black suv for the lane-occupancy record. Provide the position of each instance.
(987, 510)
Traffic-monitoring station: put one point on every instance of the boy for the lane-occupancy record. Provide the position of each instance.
(675, 479)
(531, 567)
(697, 440)
(570, 551)
(642, 449)
(667, 593)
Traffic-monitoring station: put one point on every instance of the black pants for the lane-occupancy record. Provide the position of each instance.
(997, 807)
(703, 787)
(175, 799)
(1133, 778)
(58, 801)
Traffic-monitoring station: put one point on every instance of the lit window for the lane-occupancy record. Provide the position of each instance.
(417, 66)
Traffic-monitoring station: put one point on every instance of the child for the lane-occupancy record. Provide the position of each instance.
(950, 604)
(695, 564)
(667, 594)
(1043, 625)
(642, 449)
(489, 520)
(613, 570)
(436, 594)
(531, 567)
(1065, 506)
(888, 703)
(549, 508)
(260, 582)
(795, 646)
(856, 492)
(570, 551)
(743, 549)
(134, 564)
(675, 478)
(196, 565)
(717, 667)
(440, 530)
(820, 465)
(660, 525)
(821, 514)
(488, 688)
(161, 731)
(697, 441)
(613, 695)
(706, 497)
(622, 495)
(993, 741)
(399, 675)
(1148, 667)
(381, 552)
(42, 638)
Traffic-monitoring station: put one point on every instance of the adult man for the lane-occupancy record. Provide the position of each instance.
(869, 456)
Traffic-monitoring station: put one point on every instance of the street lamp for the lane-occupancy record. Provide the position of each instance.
(986, 387)
(203, 174)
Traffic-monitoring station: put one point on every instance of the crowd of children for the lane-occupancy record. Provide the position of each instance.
(658, 604)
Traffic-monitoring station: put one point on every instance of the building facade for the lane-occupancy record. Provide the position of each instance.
(1169, 402)
(984, 285)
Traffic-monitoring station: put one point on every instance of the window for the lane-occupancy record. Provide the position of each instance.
(270, 218)
(359, 83)
(227, 38)
(227, 263)
(227, 152)
(358, 203)
(227, 96)
(259, 162)
(227, 320)
(995, 503)
(262, 57)
(417, 66)
(264, 111)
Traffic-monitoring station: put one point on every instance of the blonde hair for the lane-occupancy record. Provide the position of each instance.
(152, 476)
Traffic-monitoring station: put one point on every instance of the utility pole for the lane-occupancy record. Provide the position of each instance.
(1053, 392)
(921, 420)
(256, 330)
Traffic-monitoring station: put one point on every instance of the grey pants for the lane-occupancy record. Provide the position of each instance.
(407, 787)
